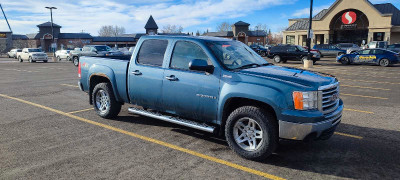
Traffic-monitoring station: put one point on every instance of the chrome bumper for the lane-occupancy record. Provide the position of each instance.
(299, 131)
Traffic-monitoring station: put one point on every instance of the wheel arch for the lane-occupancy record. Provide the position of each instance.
(97, 78)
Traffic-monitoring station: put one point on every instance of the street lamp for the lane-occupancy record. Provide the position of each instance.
(309, 32)
(52, 29)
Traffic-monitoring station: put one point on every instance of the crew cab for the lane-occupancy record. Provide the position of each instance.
(283, 53)
(380, 57)
(33, 55)
(216, 85)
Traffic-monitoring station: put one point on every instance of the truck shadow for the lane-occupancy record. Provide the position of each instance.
(375, 156)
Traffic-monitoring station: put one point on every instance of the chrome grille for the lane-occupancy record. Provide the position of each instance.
(328, 98)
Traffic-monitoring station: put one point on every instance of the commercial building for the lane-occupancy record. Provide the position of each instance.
(348, 21)
(240, 31)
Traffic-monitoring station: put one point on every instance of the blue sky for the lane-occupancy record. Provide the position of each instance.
(89, 15)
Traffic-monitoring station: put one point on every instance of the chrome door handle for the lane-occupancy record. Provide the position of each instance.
(171, 78)
(136, 72)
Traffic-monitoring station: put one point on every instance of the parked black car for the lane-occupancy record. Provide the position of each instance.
(262, 51)
(290, 52)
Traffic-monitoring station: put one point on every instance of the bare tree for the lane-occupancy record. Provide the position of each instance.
(261, 27)
(111, 31)
(172, 29)
(224, 26)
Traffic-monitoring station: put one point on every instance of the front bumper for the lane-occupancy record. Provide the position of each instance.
(301, 131)
(39, 58)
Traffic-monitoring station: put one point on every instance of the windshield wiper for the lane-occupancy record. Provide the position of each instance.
(252, 65)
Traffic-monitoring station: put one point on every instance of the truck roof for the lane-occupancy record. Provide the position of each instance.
(207, 38)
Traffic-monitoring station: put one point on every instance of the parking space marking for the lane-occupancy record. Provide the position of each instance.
(70, 85)
(356, 95)
(379, 82)
(348, 135)
(364, 87)
(83, 110)
(155, 141)
(355, 110)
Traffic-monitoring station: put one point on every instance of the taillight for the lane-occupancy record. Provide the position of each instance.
(79, 70)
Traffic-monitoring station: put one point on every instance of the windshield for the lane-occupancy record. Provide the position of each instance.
(19, 50)
(34, 50)
(103, 48)
(301, 48)
(234, 55)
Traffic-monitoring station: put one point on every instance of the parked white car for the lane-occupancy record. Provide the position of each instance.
(63, 54)
(33, 55)
(13, 53)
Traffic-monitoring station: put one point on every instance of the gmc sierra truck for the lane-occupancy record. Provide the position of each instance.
(215, 85)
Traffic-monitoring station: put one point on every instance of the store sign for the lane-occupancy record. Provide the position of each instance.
(3, 35)
(349, 17)
(47, 36)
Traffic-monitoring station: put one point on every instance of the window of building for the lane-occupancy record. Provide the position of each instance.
(184, 52)
(152, 52)
(290, 39)
(379, 36)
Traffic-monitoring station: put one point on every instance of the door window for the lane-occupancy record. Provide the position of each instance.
(152, 52)
(292, 49)
(365, 51)
(184, 52)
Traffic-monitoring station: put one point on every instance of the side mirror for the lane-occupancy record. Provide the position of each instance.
(200, 65)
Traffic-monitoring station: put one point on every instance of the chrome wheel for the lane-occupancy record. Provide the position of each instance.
(76, 61)
(277, 59)
(102, 101)
(248, 134)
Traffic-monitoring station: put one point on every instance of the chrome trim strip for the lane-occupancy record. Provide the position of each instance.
(329, 86)
(174, 120)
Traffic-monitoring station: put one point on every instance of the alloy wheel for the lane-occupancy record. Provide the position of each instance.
(248, 134)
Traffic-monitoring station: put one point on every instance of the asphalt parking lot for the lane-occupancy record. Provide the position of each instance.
(49, 131)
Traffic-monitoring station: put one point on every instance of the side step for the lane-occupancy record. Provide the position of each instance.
(174, 120)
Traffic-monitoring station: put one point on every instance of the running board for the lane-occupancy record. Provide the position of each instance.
(174, 120)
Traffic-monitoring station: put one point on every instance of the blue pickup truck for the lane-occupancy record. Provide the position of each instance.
(215, 85)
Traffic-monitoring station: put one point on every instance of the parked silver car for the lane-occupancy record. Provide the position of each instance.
(349, 47)
(13, 53)
(63, 54)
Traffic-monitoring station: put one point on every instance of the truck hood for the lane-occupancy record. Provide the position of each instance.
(298, 76)
(37, 53)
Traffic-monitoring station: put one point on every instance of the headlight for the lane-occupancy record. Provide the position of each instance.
(305, 100)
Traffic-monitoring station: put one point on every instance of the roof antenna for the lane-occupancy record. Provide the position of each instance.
(5, 17)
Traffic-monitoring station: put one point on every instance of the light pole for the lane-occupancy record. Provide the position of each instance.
(52, 29)
(309, 31)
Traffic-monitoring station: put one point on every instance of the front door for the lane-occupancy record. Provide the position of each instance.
(187, 93)
(365, 56)
(146, 74)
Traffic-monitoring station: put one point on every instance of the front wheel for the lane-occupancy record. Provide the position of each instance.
(384, 62)
(58, 58)
(75, 60)
(345, 61)
(263, 54)
(251, 132)
(104, 101)
(20, 59)
(31, 60)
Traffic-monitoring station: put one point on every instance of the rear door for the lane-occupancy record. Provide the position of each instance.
(145, 74)
(188, 93)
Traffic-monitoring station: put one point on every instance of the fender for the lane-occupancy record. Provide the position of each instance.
(269, 95)
(107, 72)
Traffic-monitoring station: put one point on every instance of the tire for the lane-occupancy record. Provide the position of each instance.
(45, 61)
(104, 102)
(20, 59)
(9, 56)
(384, 62)
(277, 59)
(68, 58)
(314, 61)
(339, 54)
(345, 61)
(265, 123)
(75, 60)
(58, 58)
(263, 54)
(30, 60)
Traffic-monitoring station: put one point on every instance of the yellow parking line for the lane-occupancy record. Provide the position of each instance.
(348, 135)
(155, 141)
(69, 85)
(379, 82)
(355, 110)
(363, 87)
(356, 95)
(83, 110)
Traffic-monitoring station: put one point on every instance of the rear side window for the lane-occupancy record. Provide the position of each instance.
(184, 52)
(152, 52)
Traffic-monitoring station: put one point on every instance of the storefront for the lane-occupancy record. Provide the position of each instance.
(348, 21)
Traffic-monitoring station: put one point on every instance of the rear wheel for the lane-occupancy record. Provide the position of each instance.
(58, 58)
(20, 59)
(384, 62)
(263, 54)
(345, 61)
(277, 59)
(31, 60)
(104, 101)
(75, 60)
(251, 132)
